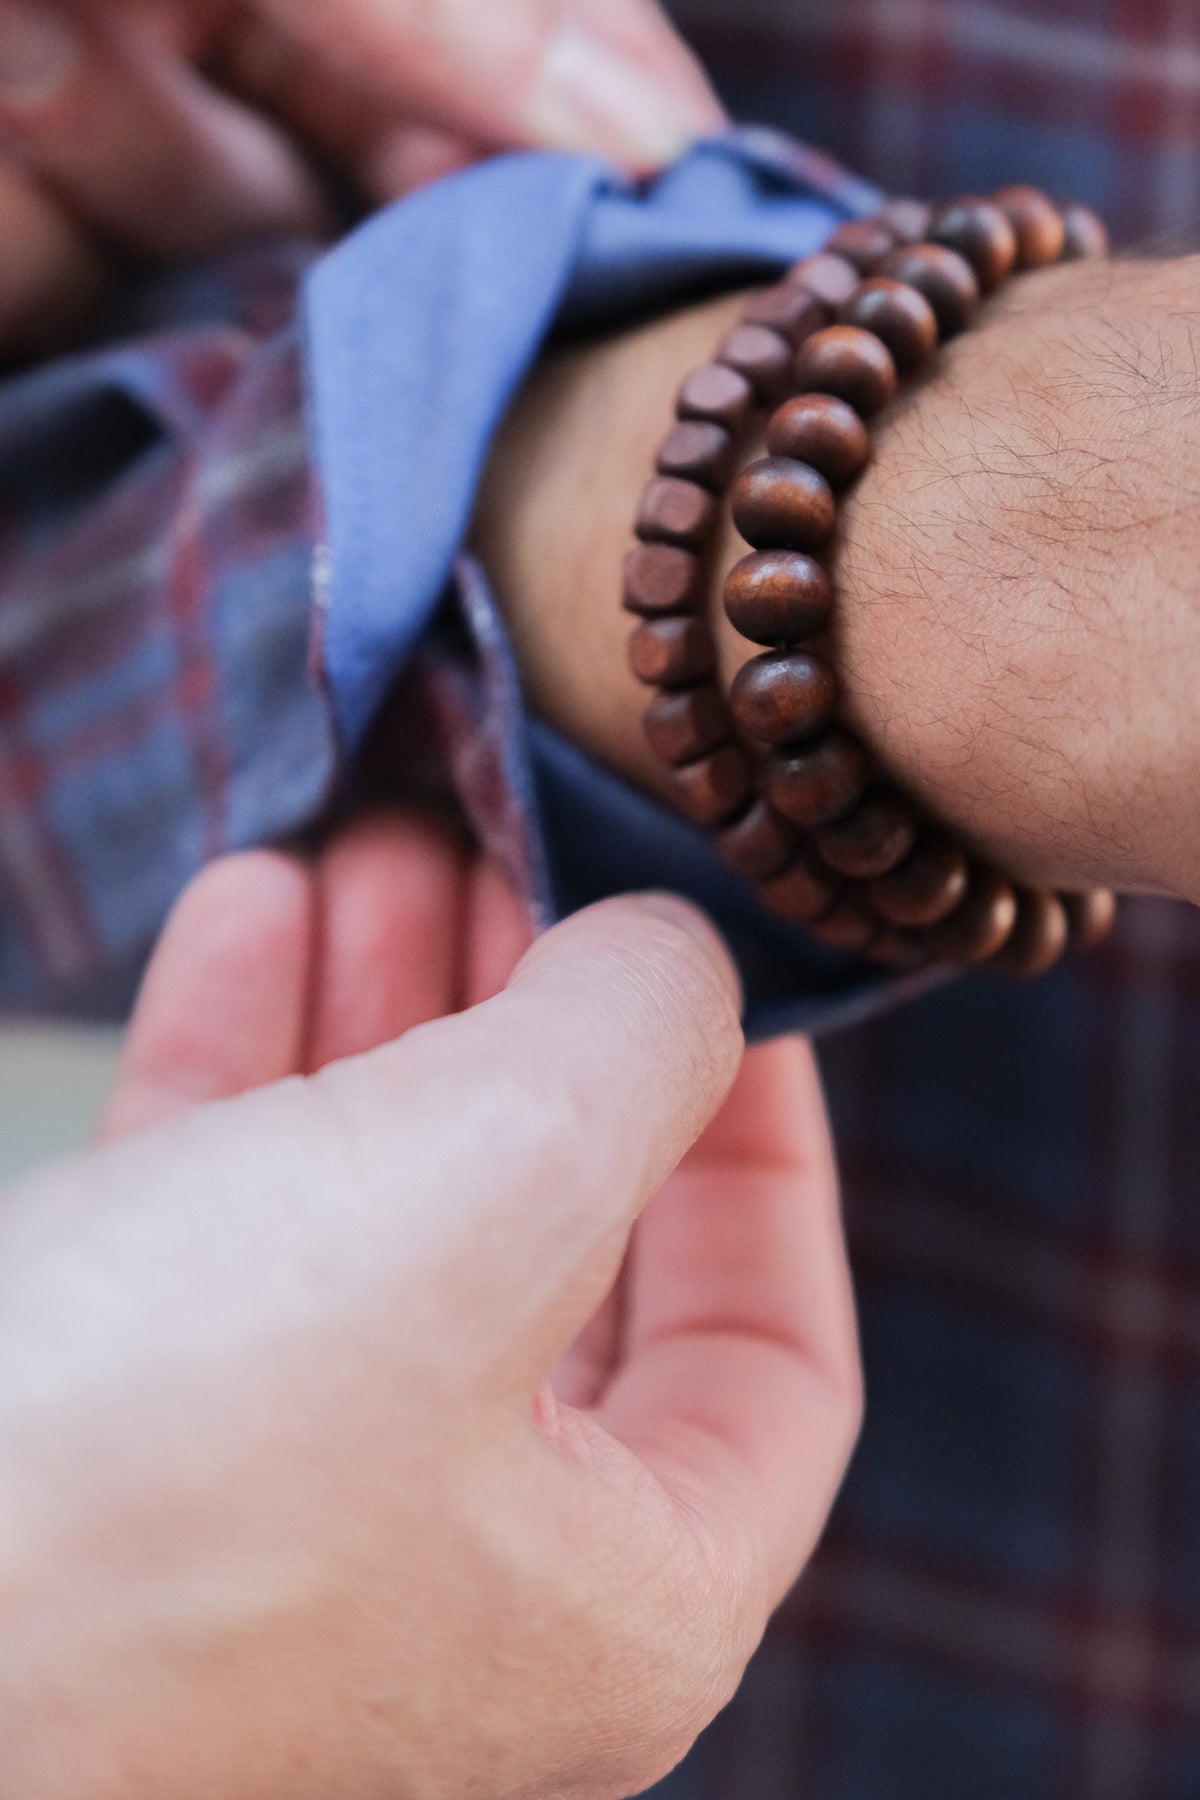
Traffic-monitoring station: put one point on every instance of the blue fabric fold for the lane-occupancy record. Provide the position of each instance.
(423, 324)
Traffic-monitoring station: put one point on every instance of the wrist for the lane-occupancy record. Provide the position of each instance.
(1015, 632)
(1018, 629)
(554, 518)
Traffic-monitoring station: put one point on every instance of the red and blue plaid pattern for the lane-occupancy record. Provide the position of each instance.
(156, 709)
(1098, 99)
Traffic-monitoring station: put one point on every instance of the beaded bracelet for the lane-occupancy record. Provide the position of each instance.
(797, 801)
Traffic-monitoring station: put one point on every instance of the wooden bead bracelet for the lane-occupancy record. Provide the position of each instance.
(797, 801)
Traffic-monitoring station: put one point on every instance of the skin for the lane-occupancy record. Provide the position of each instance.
(247, 1321)
(166, 129)
(361, 1437)
(1019, 634)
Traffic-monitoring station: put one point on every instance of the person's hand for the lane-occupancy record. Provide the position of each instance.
(289, 1504)
(1019, 633)
(164, 128)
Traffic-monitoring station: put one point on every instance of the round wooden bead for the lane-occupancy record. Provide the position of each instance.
(802, 892)
(822, 431)
(718, 394)
(685, 723)
(1038, 938)
(763, 356)
(708, 791)
(788, 309)
(778, 597)
(897, 314)
(1036, 222)
(780, 503)
(863, 242)
(849, 924)
(981, 233)
(981, 924)
(671, 652)
(676, 512)
(783, 696)
(1084, 235)
(1090, 917)
(819, 782)
(898, 948)
(829, 279)
(943, 276)
(760, 843)
(907, 220)
(928, 885)
(659, 578)
(850, 363)
(696, 450)
(873, 840)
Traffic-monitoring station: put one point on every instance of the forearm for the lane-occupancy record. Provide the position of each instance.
(554, 522)
(1017, 634)
(1021, 627)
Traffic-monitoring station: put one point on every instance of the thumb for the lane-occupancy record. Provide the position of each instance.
(518, 1142)
(608, 77)
(468, 1189)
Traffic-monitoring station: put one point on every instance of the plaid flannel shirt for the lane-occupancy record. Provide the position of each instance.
(1008, 1601)
(157, 517)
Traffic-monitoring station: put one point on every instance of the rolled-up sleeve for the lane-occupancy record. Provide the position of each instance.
(226, 536)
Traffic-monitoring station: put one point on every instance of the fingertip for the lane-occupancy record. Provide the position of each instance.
(694, 924)
(390, 909)
(499, 932)
(252, 902)
(661, 964)
(689, 942)
(594, 94)
(222, 1004)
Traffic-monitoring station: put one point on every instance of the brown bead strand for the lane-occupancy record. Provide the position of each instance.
(797, 801)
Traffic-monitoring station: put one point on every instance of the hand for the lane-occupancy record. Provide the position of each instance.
(1019, 636)
(164, 128)
(290, 1507)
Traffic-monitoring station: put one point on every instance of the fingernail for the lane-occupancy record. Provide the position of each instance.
(38, 51)
(590, 97)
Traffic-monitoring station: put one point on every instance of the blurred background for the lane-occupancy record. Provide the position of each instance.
(1098, 99)
(53, 1083)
